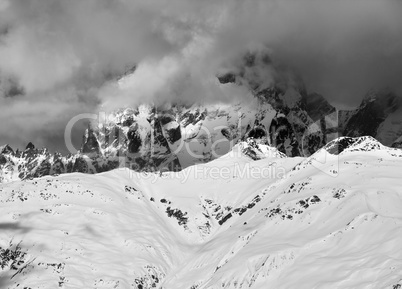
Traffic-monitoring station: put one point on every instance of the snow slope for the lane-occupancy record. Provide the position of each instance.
(333, 220)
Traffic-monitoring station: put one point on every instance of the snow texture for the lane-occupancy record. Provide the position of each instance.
(236, 222)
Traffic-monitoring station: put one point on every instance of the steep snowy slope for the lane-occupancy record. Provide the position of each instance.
(253, 218)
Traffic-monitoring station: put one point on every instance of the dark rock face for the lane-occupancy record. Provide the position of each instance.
(6, 150)
(134, 141)
(227, 133)
(374, 110)
(30, 146)
(257, 132)
(43, 169)
(343, 118)
(58, 166)
(272, 95)
(338, 146)
(173, 134)
(80, 165)
(227, 78)
(91, 145)
(3, 160)
(397, 144)
(283, 136)
(366, 143)
(317, 106)
(164, 119)
(192, 117)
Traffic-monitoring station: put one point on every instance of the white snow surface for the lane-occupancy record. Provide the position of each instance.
(235, 222)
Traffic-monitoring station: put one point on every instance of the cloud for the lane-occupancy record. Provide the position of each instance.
(42, 121)
(60, 53)
(63, 56)
(187, 77)
(340, 48)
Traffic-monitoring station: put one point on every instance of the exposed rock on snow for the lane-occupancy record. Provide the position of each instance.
(230, 223)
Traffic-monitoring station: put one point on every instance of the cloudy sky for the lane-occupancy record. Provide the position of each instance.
(59, 58)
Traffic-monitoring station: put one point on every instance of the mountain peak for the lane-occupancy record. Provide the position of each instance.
(257, 149)
(30, 146)
(317, 106)
(384, 96)
(365, 143)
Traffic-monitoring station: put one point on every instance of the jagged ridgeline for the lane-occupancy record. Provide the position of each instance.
(148, 138)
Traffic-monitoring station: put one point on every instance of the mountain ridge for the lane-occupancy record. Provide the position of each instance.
(235, 222)
(175, 136)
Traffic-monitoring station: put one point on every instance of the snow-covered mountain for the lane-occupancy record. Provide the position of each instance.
(175, 136)
(34, 163)
(252, 218)
(170, 138)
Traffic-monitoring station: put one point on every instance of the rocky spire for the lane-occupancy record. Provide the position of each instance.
(30, 146)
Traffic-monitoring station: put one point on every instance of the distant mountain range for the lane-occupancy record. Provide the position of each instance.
(175, 136)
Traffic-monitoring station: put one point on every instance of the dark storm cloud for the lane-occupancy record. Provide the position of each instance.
(64, 54)
(340, 48)
(344, 48)
(60, 53)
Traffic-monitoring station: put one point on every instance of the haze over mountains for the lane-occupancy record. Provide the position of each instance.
(174, 136)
